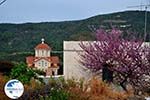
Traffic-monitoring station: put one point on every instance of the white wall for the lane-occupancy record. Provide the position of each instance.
(42, 53)
(72, 67)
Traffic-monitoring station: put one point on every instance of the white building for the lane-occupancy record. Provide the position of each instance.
(72, 67)
(43, 60)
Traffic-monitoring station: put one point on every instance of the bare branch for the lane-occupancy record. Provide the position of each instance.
(2, 2)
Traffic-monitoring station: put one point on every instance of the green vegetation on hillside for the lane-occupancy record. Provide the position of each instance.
(18, 40)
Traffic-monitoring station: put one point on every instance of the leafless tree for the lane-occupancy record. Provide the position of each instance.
(1, 2)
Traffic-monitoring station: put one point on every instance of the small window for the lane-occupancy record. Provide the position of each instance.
(45, 63)
(39, 64)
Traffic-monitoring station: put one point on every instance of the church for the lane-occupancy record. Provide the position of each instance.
(43, 60)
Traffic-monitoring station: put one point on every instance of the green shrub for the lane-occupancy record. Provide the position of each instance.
(22, 73)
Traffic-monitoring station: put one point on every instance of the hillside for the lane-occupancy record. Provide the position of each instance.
(19, 40)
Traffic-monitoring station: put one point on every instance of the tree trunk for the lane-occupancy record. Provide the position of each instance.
(107, 74)
(123, 86)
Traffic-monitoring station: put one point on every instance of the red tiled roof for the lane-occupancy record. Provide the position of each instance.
(30, 59)
(42, 46)
(55, 59)
(39, 58)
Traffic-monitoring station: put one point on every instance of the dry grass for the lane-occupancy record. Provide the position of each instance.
(96, 90)
(2, 84)
(33, 85)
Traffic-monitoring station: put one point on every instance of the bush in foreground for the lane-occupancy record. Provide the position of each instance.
(22, 73)
(95, 89)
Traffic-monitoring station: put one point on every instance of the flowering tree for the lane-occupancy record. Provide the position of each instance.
(129, 60)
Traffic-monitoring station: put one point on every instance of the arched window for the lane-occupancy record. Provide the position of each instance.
(39, 64)
(42, 63)
(45, 63)
(42, 52)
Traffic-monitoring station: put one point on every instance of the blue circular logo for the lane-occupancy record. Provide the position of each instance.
(14, 89)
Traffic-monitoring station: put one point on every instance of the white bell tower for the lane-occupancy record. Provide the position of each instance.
(42, 49)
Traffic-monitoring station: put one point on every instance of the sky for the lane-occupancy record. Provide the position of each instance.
(22, 11)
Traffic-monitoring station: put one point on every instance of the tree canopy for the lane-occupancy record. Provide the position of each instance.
(22, 73)
(129, 59)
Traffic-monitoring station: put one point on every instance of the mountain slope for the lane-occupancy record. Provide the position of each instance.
(19, 40)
